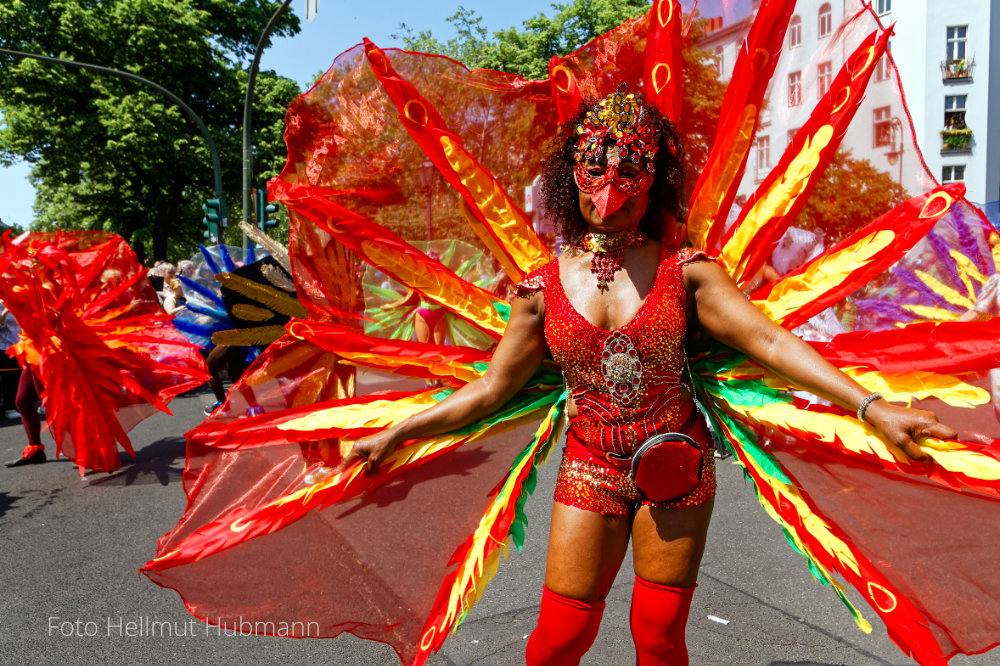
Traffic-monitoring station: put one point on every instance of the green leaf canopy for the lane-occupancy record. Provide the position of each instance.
(113, 154)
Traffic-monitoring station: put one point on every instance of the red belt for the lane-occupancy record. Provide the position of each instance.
(586, 451)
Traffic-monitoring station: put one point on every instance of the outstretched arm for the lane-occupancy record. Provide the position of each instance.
(725, 314)
(515, 360)
(405, 299)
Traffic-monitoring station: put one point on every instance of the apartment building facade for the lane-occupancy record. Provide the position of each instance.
(948, 59)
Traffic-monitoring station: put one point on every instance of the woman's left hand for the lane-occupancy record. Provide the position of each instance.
(903, 426)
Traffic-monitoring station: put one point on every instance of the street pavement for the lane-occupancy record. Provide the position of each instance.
(70, 548)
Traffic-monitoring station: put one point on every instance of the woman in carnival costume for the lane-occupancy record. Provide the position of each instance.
(614, 313)
(377, 553)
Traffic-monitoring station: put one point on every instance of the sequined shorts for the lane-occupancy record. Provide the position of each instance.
(587, 483)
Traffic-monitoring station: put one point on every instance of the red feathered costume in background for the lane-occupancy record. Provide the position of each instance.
(93, 332)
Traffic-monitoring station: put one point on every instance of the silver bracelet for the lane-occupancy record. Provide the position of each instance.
(869, 399)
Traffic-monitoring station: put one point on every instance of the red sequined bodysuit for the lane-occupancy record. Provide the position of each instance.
(626, 384)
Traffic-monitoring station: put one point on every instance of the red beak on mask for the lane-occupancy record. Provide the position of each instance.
(608, 199)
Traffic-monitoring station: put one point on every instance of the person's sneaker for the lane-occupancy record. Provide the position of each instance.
(32, 455)
(211, 408)
(12, 414)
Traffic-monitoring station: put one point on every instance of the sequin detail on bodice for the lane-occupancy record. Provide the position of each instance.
(626, 382)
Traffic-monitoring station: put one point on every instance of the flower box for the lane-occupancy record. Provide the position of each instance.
(956, 139)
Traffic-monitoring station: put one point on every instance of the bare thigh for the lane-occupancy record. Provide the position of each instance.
(421, 329)
(440, 331)
(585, 552)
(668, 544)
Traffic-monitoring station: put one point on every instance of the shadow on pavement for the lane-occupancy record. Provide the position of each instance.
(161, 462)
(7, 501)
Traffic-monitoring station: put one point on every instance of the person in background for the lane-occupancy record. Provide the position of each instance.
(173, 302)
(26, 401)
(10, 371)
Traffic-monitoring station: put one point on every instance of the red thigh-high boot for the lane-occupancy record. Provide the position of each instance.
(566, 629)
(659, 617)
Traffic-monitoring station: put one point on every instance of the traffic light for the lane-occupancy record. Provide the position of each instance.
(264, 209)
(215, 218)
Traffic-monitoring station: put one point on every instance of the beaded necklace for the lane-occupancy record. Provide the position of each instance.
(609, 252)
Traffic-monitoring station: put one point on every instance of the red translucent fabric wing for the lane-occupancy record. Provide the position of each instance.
(401, 261)
(776, 203)
(662, 71)
(957, 609)
(509, 227)
(318, 582)
(315, 258)
(716, 187)
(850, 265)
(347, 142)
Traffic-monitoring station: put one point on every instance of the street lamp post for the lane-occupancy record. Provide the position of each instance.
(217, 171)
(428, 175)
(248, 116)
(896, 154)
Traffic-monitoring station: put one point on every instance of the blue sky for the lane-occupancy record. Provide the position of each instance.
(338, 26)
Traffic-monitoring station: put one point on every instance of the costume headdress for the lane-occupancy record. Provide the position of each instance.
(620, 118)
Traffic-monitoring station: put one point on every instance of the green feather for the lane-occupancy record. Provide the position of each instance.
(503, 309)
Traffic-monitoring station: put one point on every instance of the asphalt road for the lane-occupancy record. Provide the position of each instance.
(70, 548)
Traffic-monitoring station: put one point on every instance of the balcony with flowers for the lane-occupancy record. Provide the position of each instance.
(957, 70)
(956, 140)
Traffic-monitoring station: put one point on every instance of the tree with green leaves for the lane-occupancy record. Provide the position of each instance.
(851, 193)
(112, 154)
(525, 52)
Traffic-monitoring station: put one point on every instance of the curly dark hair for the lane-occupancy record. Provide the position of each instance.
(560, 196)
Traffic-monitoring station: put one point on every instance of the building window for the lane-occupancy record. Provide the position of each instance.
(953, 174)
(794, 88)
(791, 135)
(954, 111)
(795, 32)
(882, 127)
(825, 78)
(883, 7)
(763, 156)
(882, 68)
(720, 63)
(825, 20)
(956, 42)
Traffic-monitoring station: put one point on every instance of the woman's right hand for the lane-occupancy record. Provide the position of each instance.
(372, 449)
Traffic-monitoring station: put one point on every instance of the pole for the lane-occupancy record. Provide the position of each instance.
(163, 91)
(248, 117)
(428, 216)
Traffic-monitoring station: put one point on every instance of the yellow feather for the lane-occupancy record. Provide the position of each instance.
(276, 300)
(943, 290)
(774, 204)
(252, 312)
(259, 336)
